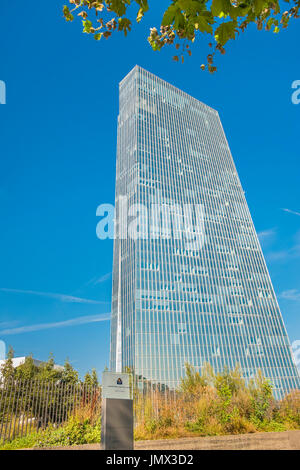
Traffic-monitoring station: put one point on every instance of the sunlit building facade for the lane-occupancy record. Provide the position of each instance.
(190, 283)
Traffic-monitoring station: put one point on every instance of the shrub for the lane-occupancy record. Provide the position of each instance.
(79, 429)
(213, 404)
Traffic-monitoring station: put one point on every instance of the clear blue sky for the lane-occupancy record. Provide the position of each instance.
(57, 151)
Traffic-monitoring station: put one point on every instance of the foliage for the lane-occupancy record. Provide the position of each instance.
(46, 372)
(7, 370)
(26, 442)
(95, 381)
(193, 381)
(79, 429)
(209, 404)
(290, 408)
(26, 371)
(69, 374)
(40, 395)
(262, 399)
(186, 20)
(37, 404)
(91, 380)
(74, 432)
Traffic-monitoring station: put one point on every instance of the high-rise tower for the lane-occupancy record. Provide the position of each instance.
(190, 284)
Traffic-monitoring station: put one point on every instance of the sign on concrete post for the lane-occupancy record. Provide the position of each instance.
(117, 412)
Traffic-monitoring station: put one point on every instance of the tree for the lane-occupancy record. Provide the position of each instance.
(94, 377)
(194, 382)
(28, 370)
(262, 396)
(186, 20)
(47, 372)
(88, 380)
(232, 379)
(69, 374)
(7, 370)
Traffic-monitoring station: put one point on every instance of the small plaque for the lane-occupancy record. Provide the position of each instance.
(115, 385)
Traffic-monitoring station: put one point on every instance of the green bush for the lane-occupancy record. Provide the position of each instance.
(26, 442)
(76, 431)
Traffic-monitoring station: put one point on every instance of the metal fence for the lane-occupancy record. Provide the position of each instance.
(30, 405)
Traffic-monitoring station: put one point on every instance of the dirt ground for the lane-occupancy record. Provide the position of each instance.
(289, 440)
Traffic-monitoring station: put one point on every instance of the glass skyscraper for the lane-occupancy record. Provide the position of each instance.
(190, 283)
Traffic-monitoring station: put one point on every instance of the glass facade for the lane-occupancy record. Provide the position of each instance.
(190, 283)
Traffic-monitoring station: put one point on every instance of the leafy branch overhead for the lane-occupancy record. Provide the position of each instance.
(185, 20)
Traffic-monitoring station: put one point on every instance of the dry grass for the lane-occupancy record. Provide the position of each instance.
(210, 405)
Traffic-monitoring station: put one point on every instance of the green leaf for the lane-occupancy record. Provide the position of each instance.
(191, 7)
(179, 20)
(225, 31)
(241, 10)
(124, 25)
(169, 15)
(98, 36)
(203, 23)
(87, 25)
(259, 6)
(67, 14)
(118, 6)
(270, 22)
(220, 7)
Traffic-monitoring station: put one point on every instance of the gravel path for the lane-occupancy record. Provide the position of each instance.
(289, 440)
